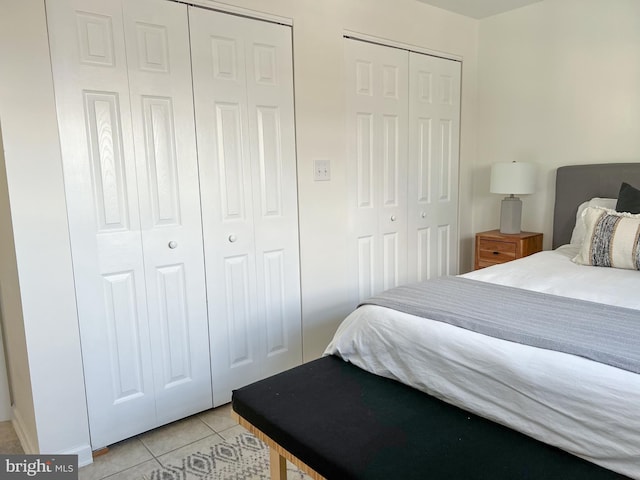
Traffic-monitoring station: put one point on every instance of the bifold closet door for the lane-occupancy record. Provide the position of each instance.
(377, 132)
(122, 82)
(403, 127)
(243, 90)
(160, 89)
(434, 132)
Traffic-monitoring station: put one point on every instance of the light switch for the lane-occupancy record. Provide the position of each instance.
(321, 170)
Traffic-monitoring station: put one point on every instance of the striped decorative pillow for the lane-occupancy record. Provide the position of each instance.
(612, 239)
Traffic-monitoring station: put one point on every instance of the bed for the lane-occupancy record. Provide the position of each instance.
(582, 398)
(585, 407)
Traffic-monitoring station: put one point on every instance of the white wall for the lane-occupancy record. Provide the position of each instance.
(11, 329)
(17, 366)
(44, 348)
(6, 413)
(33, 168)
(559, 84)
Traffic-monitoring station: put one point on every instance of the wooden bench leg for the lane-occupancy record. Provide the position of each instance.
(278, 465)
(277, 455)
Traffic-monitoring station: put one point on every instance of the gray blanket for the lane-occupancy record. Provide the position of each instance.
(603, 333)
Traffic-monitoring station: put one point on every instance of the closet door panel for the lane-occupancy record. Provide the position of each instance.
(433, 172)
(159, 68)
(273, 169)
(377, 114)
(219, 79)
(240, 312)
(90, 79)
(243, 92)
(363, 168)
(391, 93)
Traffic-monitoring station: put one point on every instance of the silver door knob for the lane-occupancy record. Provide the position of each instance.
(173, 244)
(393, 218)
(232, 238)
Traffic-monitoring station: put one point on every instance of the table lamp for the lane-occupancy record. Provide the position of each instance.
(514, 178)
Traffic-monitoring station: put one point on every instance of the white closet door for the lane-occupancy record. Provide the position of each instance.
(139, 305)
(434, 130)
(377, 117)
(271, 139)
(91, 86)
(158, 54)
(243, 90)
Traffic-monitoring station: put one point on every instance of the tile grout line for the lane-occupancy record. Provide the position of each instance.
(197, 416)
(182, 446)
(156, 458)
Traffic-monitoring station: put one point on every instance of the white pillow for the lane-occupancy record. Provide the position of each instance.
(580, 229)
(612, 239)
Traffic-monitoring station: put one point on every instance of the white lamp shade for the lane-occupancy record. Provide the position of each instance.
(515, 178)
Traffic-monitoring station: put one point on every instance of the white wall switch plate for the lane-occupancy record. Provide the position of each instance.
(321, 170)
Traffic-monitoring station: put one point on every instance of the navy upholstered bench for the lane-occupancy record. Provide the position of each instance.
(336, 421)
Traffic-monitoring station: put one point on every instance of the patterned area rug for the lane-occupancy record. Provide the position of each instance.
(243, 457)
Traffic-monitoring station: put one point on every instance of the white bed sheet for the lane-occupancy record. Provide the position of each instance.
(584, 407)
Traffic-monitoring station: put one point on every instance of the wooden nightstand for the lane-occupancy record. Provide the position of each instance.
(493, 247)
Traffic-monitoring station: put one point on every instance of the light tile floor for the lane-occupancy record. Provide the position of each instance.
(137, 457)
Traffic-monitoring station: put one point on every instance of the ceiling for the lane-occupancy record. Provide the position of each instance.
(479, 8)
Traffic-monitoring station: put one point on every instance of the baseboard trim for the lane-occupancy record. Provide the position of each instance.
(84, 454)
(28, 445)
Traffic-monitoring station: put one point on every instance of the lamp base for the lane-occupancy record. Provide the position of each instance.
(510, 215)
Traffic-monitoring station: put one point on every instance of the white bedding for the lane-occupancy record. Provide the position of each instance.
(587, 408)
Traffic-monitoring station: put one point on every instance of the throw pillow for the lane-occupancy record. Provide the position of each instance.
(628, 199)
(612, 239)
(577, 237)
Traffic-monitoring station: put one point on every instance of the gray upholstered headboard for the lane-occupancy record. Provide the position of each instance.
(578, 183)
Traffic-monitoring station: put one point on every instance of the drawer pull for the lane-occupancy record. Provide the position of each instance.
(496, 253)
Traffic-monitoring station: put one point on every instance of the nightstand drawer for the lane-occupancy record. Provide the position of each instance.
(496, 252)
(497, 246)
